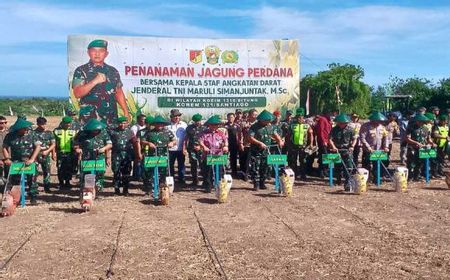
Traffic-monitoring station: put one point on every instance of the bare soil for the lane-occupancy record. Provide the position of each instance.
(320, 233)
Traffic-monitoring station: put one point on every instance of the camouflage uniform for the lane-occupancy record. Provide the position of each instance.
(160, 138)
(101, 100)
(192, 133)
(343, 139)
(47, 139)
(89, 145)
(64, 154)
(122, 155)
(419, 134)
(258, 157)
(22, 148)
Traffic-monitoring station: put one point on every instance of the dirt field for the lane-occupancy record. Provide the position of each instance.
(320, 233)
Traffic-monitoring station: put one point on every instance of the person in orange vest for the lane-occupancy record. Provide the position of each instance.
(299, 136)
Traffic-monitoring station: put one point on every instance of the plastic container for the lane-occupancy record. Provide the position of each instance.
(223, 190)
(361, 177)
(89, 181)
(170, 184)
(164, 194)
(403, 170)
(287, 182)
(400, 181)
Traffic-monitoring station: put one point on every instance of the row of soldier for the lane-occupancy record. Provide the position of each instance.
(248, 137)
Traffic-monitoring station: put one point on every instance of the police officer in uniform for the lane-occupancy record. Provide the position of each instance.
(48, 144)
(64, 136)
(93, 143)
(418, 136)
(24, 147)
(299, 136)
(260, 137)
(373, 137)
(343, 140)
(155, 142)
(192, 146)
(123, 143)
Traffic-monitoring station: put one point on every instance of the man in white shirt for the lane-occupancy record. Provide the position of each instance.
(178, 128)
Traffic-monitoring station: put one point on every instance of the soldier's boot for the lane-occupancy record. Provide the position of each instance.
(116, 190)
(47, 187)
(33, 200)
(67, 185)
(256, 185)
(262, 185)
(125, 190)
(194, 181)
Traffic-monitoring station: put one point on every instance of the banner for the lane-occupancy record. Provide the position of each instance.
(131, 75)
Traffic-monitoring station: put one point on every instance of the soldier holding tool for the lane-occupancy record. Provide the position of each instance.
(260, 137)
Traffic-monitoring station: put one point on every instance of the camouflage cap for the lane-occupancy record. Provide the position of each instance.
(430, 116)
(443, 117)
(94, 124)
(122, 119)
(215, 119)
(160, 120)
(265, 116)
(342, 118)
(20, 124)
(421, 118)
(299, 112)
(22, 116)
(377, 116)
(66, 119)
(197, 117)
(98, 44)
(149, 119)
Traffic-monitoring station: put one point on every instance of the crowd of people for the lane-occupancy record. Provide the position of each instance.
(247, 137)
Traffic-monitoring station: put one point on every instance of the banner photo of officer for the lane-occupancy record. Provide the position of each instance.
(111, 76)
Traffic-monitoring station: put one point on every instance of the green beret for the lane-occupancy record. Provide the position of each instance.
(342, 118)
(421, 118)
(299, 112)
(94, 124)
(215, 119)
(149, 119)
(122, 119)
(443, 117)
(430, 116)
(265, 116)
(160, 120)
(19, 124)
(67, 119)
(377, 116)
(98, 44)
(197, 117)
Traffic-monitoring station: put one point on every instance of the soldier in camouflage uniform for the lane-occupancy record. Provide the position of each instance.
(213, 142)
(249, 118)
(192, 146)
(260, 137)
(24, 147)
(417, 136)
(155, 142)
(343, 140)
(93, 143)
(48, 144)
(123, 143)
(98, 86)
(299, 135)
(64, 152)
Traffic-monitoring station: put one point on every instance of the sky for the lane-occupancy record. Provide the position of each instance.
(387, 38)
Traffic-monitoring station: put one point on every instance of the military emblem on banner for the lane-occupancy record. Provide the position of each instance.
(212, 54)
(230, 57)
(195, 56)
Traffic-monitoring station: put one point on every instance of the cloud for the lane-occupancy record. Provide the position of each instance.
(22, 23)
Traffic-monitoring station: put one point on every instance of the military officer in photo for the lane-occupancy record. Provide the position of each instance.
(98, 86)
